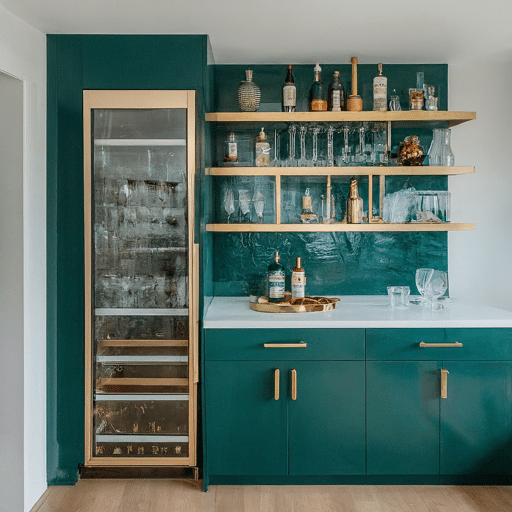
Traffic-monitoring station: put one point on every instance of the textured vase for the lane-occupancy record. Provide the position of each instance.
(248, 94)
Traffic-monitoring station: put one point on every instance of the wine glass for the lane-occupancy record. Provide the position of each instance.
(435, 287)
(422, 277)
(229, 202)
(258, 201)
(244, 204)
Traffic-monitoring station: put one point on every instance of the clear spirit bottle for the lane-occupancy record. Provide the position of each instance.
(336, 94)
(289, 92)
(380, 92)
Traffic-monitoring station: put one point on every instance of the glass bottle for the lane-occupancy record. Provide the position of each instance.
(435, 148)
(298, 280)
(249, 94)
(307, 216)
(336, 94)
(289, 92)
(380, 92)
(354, 204)
(446, 155)
(276, 278)
(231, 150)
(262, 150)
(394, 103)
(317, 101)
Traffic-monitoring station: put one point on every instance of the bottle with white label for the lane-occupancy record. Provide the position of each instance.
(380, 92)
(276, 280)
(289, 92)
(298, 280)
(336, 94)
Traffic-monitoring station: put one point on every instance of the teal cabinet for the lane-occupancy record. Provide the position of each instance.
(246, 431)
(413, 427)
(402, 407)
(284, 416)
(476, 418)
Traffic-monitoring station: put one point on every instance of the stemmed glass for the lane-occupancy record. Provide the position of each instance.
(229, 202)
(435, 287)
(258, 201)
(422, 277)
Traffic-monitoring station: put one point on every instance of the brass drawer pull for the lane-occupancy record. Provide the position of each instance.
(440, 345)
(294, 384)
(276, 384)
(444, 383)
(301, 344)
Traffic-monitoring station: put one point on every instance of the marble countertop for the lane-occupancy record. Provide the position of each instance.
(356, 311)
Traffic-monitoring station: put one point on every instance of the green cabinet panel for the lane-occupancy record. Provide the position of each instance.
(476, 419)
(402, 402)
(326, 421)
(240, 344)
(480, 344)
(246, 430)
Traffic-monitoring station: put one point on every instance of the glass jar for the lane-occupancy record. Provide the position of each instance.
(410, 152)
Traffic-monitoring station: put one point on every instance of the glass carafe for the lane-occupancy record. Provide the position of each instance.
(435, 148)
(446, 155)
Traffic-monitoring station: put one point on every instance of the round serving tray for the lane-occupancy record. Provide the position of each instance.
(327, 304)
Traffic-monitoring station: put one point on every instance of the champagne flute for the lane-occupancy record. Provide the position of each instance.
(258, 201)
(229, 202)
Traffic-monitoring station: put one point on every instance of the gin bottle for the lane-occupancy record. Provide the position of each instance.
(336, 94)
(317, 101)
(289, 92)
(276, 280)
(380, 92)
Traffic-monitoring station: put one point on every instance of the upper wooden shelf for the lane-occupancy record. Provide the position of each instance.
(422, 116)
(385, 170)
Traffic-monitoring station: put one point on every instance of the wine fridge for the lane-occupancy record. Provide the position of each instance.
(141, 271)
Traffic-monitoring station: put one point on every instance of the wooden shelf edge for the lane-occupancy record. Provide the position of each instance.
(143, 343)
(342, 171)
(452, 117)
(326, 228)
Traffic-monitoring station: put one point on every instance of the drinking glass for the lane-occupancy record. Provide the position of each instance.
(258, 201)
(422, 277)
(229, 202)
(436, 286)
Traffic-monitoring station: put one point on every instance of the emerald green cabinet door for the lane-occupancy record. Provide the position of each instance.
(246, 428)
(326, 420)
(402, 407)
(476, 418)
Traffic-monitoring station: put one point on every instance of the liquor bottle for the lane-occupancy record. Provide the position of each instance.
(380, 92)
(307, 216)
(336, 94)
(231, 149)
(262, 150)
(317, 101)
(275, 280)
(289, 92)
(354, 204)
(298, 280)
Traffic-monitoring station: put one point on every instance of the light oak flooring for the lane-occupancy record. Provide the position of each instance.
(186, 496)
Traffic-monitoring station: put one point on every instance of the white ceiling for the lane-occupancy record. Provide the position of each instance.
(296, 31)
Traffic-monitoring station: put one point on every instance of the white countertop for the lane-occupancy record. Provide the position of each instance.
(356, 311)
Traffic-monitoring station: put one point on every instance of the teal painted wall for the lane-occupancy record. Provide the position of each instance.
(335, 263)
(75, 63)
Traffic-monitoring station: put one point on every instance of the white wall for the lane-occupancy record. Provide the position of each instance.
(480, 261)
(23, 55)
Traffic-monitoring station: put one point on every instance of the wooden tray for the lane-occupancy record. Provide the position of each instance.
(286, 307)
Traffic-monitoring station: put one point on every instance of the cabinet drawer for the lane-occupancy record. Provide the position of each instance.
(404, 344)
(249, 344)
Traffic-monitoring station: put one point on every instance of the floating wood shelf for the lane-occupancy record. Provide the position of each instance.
(447, 118)
(143, 343)
(420, 170)
(297, 228)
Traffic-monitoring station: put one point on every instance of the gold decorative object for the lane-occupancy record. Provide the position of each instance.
(354, 204)
(410, 152)
(249, 94)
(298, 305)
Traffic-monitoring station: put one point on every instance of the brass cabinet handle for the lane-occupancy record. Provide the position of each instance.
(276, 384)
(300, 344)
(440, 345)
(294, 384)
(444, 383)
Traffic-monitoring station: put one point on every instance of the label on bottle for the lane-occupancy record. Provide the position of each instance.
(276, 284)
(289, 96)
(318, 105)
(298, 284)
(380, 94)
(336, 101)
(232, 151)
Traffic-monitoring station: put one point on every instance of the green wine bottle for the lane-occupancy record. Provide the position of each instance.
(276, 280)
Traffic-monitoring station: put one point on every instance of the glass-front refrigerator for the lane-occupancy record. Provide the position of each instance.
(141, 303)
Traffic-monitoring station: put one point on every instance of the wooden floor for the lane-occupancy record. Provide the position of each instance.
(187, 496)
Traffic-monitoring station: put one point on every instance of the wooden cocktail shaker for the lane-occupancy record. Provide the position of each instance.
(354, 102)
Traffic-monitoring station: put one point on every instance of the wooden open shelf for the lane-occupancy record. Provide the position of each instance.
(140, 385)
(297, 228)
(385, 170)
(448, 118)
(143, 343)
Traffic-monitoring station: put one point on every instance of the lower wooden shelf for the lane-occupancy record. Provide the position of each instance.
(283, 228)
